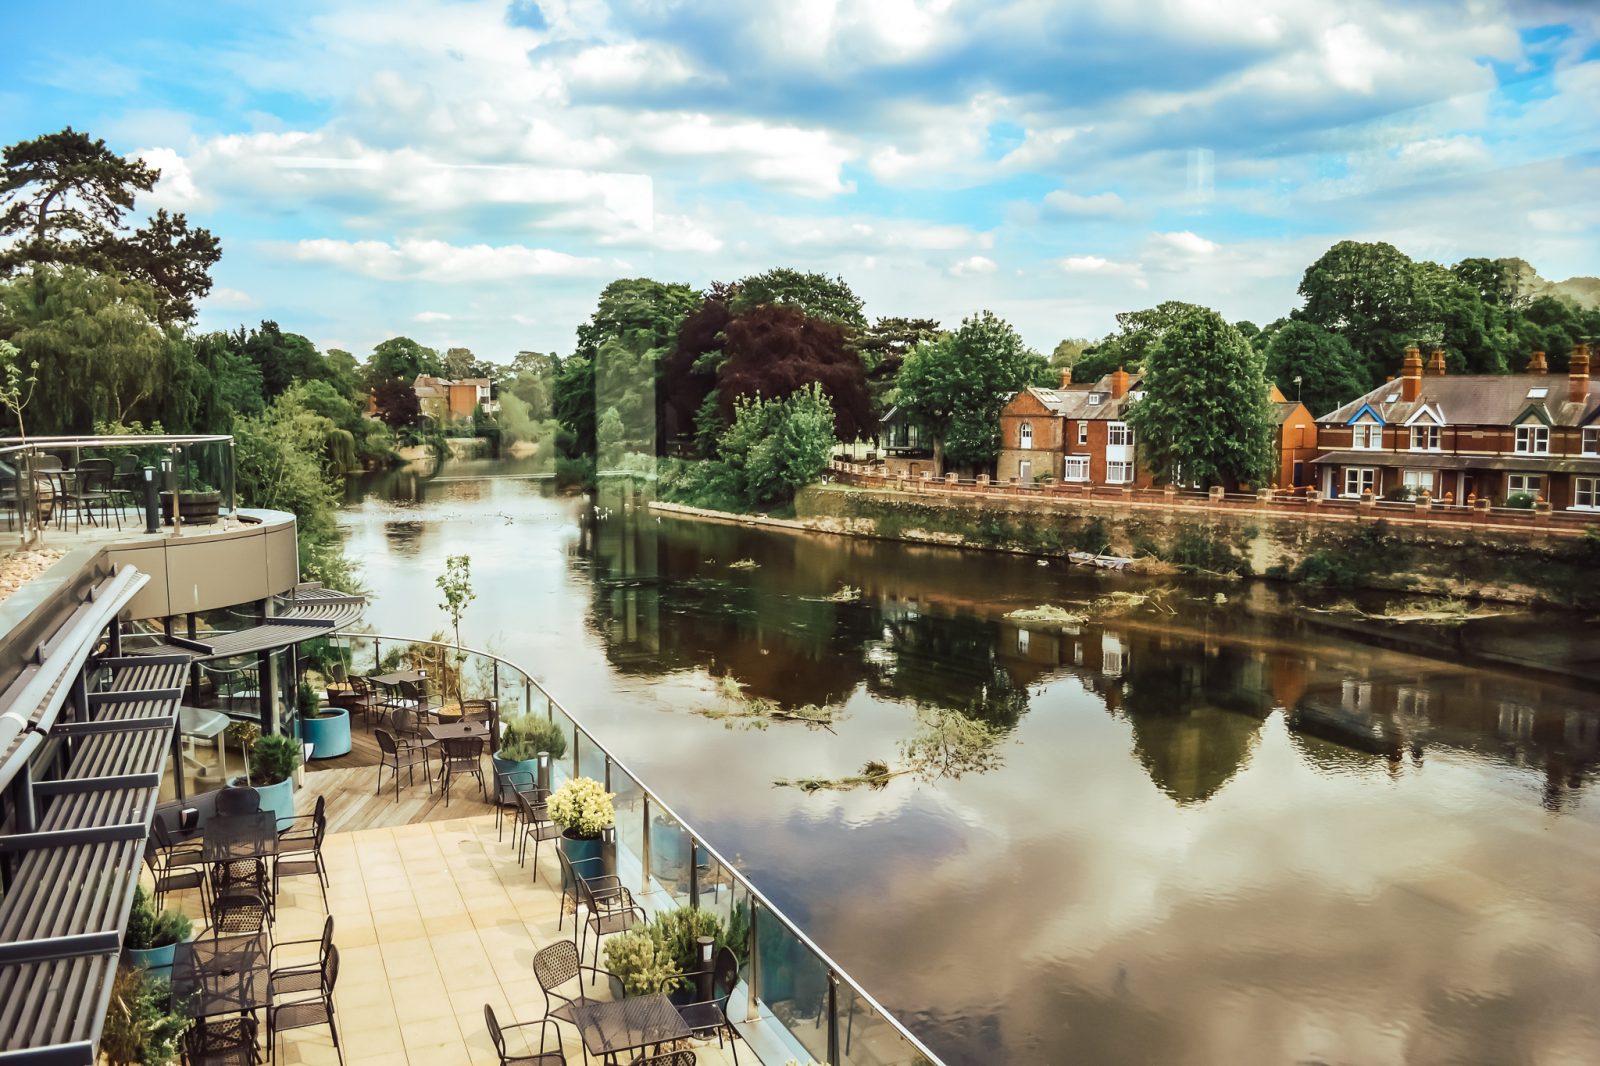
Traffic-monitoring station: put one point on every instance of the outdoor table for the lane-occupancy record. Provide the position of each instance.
(221, 975)
(630, 1024)
(393, 680)
(235, 837)
(458, 730)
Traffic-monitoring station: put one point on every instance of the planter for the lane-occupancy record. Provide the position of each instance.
(508, 766)
(328, 733)
(580, 849)
(197, 508)
(279, 799)
(155, 961)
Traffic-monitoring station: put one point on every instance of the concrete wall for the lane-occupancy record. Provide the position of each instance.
(203, 570)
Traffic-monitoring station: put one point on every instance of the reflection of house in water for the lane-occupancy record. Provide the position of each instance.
(625, 556)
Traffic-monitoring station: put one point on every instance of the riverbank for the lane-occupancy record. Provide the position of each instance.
(1373, 554)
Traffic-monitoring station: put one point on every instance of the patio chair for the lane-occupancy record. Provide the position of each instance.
(462, 755)
(535, 825)
(170, 878)
(221, 1042)
(301, 976)
(357, 699)
(299, 854)
(669, 1058)
(539, 1058)
(235, 799)
(507, 783)
(706, 1016)
(239, 912)
(608, 906)
(415, 697)
(174, 852)
(485, 711)
(94, 491)
(553, 967)
(315, 1009)
(406, 725)
(396, 756)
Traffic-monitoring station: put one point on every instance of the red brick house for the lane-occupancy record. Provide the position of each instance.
(1469, 436)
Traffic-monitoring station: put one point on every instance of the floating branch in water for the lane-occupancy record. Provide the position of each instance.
(757, 712)
(1046, 614)
(846, 594)
(875, 774)
(744, 564)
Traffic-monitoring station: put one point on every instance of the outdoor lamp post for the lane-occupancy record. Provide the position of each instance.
(152, 502)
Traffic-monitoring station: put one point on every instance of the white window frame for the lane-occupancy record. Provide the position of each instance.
(1083, 432)
(1533, 438)
(1529, 484)
(1425, 438)
(1420, 480)
(1591, 441)
(1119, 466)
(1359, 479)
(1025, 436)
(1366, 436)
(1118, 435)
(1075, 468)
(1585, 494)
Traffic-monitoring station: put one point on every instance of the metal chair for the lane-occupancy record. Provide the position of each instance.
(316, 1009)
(406, 725)
(485, 711)
(415, 697)
(358, 698)
(540, 1058)
(507, 783)
(462, 755)
(234, 800)
(553, 967)
(170, 878)
(608, 906)
(221, 1042)
(535, 825)
(304, 976)
(240, 912)
(395, 756)
(670, 1058)
(711, 1015)
(299, 854)
(94, 489)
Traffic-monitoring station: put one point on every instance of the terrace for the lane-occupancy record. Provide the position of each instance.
(433, 914)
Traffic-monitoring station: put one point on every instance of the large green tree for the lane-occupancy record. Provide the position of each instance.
(1137, 332)
(635, 308)
(955, 385)
(282, 358)
(402, 358)
(775, 350)
(818, 295)
(64, 198)
(1205, 417)
(1329, 371)
(1375, 296)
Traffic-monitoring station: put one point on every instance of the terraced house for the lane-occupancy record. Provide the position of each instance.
(1467, 437)
(1075, 433)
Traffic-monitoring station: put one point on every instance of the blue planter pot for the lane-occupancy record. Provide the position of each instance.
(279, 799)
(329, 736)
(581, 849)
(508, 766)
(157, 962)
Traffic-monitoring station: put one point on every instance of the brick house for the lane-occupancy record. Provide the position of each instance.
(1469, 436)
(1295, 442)
(448, 401)
(1075, 433)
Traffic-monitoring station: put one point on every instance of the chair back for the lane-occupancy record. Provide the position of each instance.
(414, 691)
(327, 938)
(463, 751)
(235, 800)
(404, 722)
(330, 971)
(724, 974)
(94, 475)
(47, 463)
(494, 1032)
(237, 912)
(555, 965)
(671, 1058)
(386, 742)
(160, 834)
(336, 671)
(579, 882)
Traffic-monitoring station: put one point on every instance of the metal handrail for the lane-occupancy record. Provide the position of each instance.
(696, 840)
(132, 439)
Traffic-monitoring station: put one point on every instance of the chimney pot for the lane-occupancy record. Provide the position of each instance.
(1536, 363)
(1578, 373)
(1436, 364)
(1411, 375)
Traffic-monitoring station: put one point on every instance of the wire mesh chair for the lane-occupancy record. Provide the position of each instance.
(670, 1058)
(507, 783)
(221, 1042)
(706, 1016)
(175, 878)
(302, 976)
(239, 912)
(535, 825)
(540, 1058)
(315, 1009)
(462, 755)
(95, 489)
(299, 854)
(234, 800)
(396, 756)
(555, 966)
(608, 906)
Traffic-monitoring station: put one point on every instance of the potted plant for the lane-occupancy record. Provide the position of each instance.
(522, 738)
(142, 1028)
(270, 771)
(153, 938)
(582, 808)
(326, 728)
(198, 506)
(659, 955)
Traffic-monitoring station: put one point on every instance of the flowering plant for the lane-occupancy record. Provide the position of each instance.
(583, 806)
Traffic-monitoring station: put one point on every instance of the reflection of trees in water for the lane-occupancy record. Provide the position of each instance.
(951, 663)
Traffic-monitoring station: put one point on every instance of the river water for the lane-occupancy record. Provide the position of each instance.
(1212, 830)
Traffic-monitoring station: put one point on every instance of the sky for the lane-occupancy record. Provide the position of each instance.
(473, 172)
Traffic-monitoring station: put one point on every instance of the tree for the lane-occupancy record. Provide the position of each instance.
(689, 372)
(460, 363)
(17, 383)
(1373, 295)
(1067, 352)
(1137, 332)
(640, 309)
(396, 403)
(455, 584)
(955, 385)
(343, 372)
(777, 446)
(1205, 417)
(774, 351)
(1330, 371)
(403, 358)
(818, 295)
(282, 358)
(63, 197)
(884, 347)
(572, 402)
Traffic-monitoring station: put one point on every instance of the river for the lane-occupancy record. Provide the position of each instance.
(1213, 829)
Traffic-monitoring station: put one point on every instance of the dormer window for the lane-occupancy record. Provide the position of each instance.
(1025, 435)
(1095, 398)
(1366, 436)
(1533, 439)
(1424, 438)
(1136, 395)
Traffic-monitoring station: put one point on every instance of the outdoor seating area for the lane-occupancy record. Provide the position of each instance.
(434, 946)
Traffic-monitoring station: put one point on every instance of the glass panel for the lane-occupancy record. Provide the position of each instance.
(669, 862)
(866, 1038)
(591, 760)
(794, 985)
(561, 769)
(716, 886)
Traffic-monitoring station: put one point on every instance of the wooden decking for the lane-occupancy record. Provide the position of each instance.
(353, 802)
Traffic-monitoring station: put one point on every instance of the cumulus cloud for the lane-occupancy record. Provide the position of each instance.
(431, 316)
(424, 260)
(973, 264)
(225, 299)
(1065, 204)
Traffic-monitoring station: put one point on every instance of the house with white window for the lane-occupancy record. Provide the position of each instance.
(1494, 436)
(1074, 433)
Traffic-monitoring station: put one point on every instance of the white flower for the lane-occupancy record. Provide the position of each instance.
(584, 806)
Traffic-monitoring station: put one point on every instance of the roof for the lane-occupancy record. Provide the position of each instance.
(309, 611)
(1532, 464)
(1283, 409)
(1088, 401)
(1477, 400)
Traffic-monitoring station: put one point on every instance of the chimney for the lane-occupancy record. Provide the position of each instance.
(1411, 375)
(1578, 373)
(1536, 363)
(1066, 376)
(1119, 383)
(1436, 367)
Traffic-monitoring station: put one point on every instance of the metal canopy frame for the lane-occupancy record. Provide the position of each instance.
(308, 611)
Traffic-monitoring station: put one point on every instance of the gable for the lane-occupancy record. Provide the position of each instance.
(1365, 413)
(1026, 405)
(1534, 412)
(1427, 414)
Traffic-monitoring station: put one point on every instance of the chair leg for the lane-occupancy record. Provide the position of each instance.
(333, 1030)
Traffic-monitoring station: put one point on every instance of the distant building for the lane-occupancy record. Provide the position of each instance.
(1075, 433)
(901, 445)
(1481, 435)
(446, 401)
(1295, 442)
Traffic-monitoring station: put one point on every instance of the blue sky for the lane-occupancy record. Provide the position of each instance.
(474, 172)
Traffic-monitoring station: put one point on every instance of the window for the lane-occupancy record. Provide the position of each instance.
(1367, 436)
(1025, 471)
(1095, 398)
(1424, 438)
(1022, 642)
(1538, 394)
(1418, 480)
(1591, 441)
(1533, 440)
(1586, 494)
(1075, 468)
(1025, 435)
(1119, 473)
(1531, 484)
(1359, 479)
(1118, 435)
(1083, 432)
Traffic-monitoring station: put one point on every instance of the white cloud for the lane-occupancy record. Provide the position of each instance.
(973, 264)
(431, 316)
(1186, 243)
(1067, 204)
(423, 260)
(1094, 264)
(224, 299)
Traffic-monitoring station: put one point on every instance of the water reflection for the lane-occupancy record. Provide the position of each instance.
(1226, 835)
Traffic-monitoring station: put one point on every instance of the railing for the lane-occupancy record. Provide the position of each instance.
(1302, 503)
(39, 475)
(798, 1002)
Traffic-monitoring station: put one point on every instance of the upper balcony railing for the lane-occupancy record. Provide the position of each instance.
(798, 1002)
(50, 484)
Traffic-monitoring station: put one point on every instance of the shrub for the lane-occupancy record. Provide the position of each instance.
(310, 702)
(523, 737)
(147, 929)
(1520, 500)
(273, 759)
(140, 1027)
(641, 964)
(1401, 494)
(583, 806)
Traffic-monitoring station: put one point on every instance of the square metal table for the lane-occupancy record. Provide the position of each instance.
(631, 1024)
(457, 730)
(221, 975)
(234, 837)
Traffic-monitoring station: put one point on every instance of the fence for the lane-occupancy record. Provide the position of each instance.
(1298, 503)
(798, 1002)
